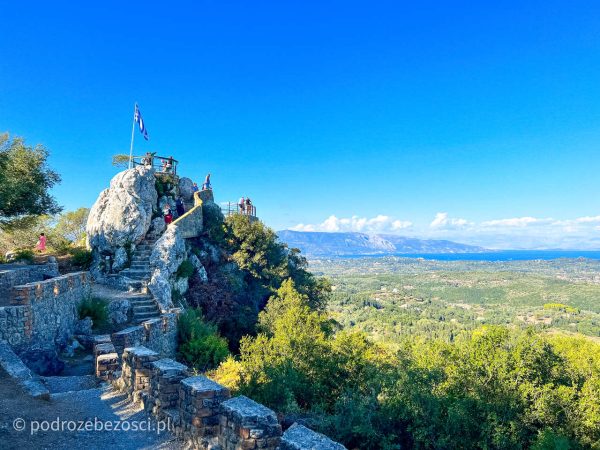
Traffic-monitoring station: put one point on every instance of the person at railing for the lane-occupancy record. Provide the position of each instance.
(148, 159)
(248, 206)
(242, 205)
(206, 184)
(180, 206)
(169, 164)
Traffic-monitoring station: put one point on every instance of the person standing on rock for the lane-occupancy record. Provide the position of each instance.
(179, 205)
(41, 243)
(206, 184)
(242, 205)
(195, 188)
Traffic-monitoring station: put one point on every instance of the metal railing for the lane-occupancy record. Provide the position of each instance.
(230, 208)
(161, 164)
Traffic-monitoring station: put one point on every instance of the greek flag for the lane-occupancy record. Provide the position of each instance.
(137, 117)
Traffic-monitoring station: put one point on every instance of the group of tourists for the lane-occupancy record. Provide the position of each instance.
(245, 206)
(167, 164)
(179, 208)
(180, 204)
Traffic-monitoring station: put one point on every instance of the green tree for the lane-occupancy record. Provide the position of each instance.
(257, 250)
(71, 225)
(25, 181)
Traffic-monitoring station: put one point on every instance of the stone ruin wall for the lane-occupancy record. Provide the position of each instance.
(43, 312)
(198, 410)
(15, 275)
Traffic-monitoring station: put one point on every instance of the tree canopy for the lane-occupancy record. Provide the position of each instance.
(25, 182)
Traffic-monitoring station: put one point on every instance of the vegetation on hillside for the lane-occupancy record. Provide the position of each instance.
(25, 181)
(494, 387)
(246, 264)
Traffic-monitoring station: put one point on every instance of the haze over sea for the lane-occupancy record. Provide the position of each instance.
(505, 255)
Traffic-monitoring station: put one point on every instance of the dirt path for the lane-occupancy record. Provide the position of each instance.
(86, 408)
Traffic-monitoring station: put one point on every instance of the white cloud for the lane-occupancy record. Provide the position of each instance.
(442, 221)
(377, 224)
(503, 233)
(515, 222)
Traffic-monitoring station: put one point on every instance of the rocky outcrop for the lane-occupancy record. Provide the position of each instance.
(186, 188)
(121, 217)
(166, 257)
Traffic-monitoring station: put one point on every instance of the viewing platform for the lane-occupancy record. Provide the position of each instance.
(230, 208)
(163, 165)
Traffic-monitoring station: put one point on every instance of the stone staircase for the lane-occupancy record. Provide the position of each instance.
(143, 305)
(139, 270)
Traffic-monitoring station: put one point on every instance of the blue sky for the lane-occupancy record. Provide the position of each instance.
(465, 120)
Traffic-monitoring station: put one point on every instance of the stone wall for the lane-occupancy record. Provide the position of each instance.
(199, 410)
(159, 335)
(15, 325)
(14, 275)
(190, 224)
(44, 312)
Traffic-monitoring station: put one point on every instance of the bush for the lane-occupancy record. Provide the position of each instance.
(185, 270)
(60, 245)
(96, 309)
(199, 343)
(81, 257)
(24, 255)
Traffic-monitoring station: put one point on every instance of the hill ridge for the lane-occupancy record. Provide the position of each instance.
(318, 243)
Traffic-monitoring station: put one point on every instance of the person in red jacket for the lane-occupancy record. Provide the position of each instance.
(168, 217)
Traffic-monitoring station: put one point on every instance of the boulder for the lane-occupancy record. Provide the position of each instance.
(157, 228)
(181, 285)
(122, 213)
(186, 188)
(120, 259)
(118, 311)
(200, 270)
(84, 326)
(166, 257)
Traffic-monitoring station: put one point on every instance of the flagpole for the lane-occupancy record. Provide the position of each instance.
(132, 134)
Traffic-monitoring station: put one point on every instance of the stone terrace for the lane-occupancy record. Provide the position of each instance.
(201, 410)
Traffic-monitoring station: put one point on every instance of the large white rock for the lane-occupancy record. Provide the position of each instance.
(166, 257)
(186, 188)
(122, 213)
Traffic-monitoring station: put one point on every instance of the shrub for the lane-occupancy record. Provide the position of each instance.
(81, 257)
(25, 255)
(60, 245)
(96, 309)
(185, 270)
(199, 343)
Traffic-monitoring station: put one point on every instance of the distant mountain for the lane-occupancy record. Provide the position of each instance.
(351, 244)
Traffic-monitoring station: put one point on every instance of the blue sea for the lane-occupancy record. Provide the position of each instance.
(506, 255)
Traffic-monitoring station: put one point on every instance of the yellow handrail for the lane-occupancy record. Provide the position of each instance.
(197, 204)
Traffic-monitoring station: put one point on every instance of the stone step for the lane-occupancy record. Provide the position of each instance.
(142, 271)
(138, 277)
(140, 260)
(137, 310)
(142, 302)
(140, 265)
(142, 317)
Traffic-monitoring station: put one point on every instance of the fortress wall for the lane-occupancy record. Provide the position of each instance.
(15, 275)
(159, 335)
(197, 409)
(44, 312)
